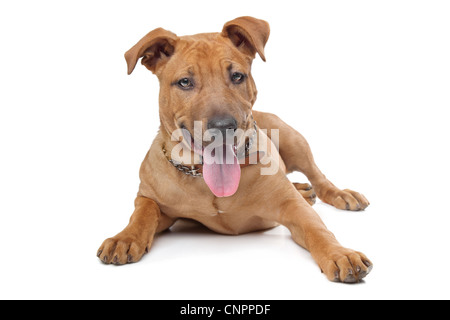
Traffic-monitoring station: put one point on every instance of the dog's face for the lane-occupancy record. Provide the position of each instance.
(206, 78)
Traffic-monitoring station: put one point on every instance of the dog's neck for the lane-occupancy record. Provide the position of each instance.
(169, 145)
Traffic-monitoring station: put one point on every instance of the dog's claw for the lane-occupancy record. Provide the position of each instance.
(336, 277)
(350, 278)
(369, 266)
(362, 275)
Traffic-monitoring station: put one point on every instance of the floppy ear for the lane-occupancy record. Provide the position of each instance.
(248, 34)
(154, 48)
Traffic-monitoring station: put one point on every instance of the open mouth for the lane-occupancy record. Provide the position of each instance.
(221, 168)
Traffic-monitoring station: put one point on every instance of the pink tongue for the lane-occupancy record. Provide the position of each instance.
(222, 179)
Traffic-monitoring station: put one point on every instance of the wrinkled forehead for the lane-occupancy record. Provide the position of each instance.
(207, 53)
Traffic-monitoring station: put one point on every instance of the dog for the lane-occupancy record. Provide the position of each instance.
(206, 85)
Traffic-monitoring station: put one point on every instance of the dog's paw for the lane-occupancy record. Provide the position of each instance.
(306, 191)
(122, 249)
(345, 265)
(349, 200)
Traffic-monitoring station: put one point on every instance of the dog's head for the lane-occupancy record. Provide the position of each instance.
(205, 77)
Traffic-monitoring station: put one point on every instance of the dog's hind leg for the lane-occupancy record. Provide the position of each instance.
(297, 156)
(307, 192)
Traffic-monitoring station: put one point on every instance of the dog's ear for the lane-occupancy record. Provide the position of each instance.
(248, 34)
(154, 49)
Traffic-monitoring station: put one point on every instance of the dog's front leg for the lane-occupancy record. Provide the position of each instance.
(131, 244)
(308, 230)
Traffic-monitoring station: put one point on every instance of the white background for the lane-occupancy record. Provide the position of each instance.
(366, 82)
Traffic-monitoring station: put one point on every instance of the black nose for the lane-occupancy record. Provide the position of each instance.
(223, 124)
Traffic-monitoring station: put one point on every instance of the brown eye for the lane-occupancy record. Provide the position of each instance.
(237, 77)
(185, 84)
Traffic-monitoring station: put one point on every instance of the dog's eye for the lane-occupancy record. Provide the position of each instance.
(185, 83)
(237, 77)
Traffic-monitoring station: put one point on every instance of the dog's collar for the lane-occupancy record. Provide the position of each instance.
(197, 170)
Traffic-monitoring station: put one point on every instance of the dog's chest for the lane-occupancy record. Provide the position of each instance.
(226, 216)
(195, 206)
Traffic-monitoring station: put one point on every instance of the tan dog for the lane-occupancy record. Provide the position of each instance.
(206, 78)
